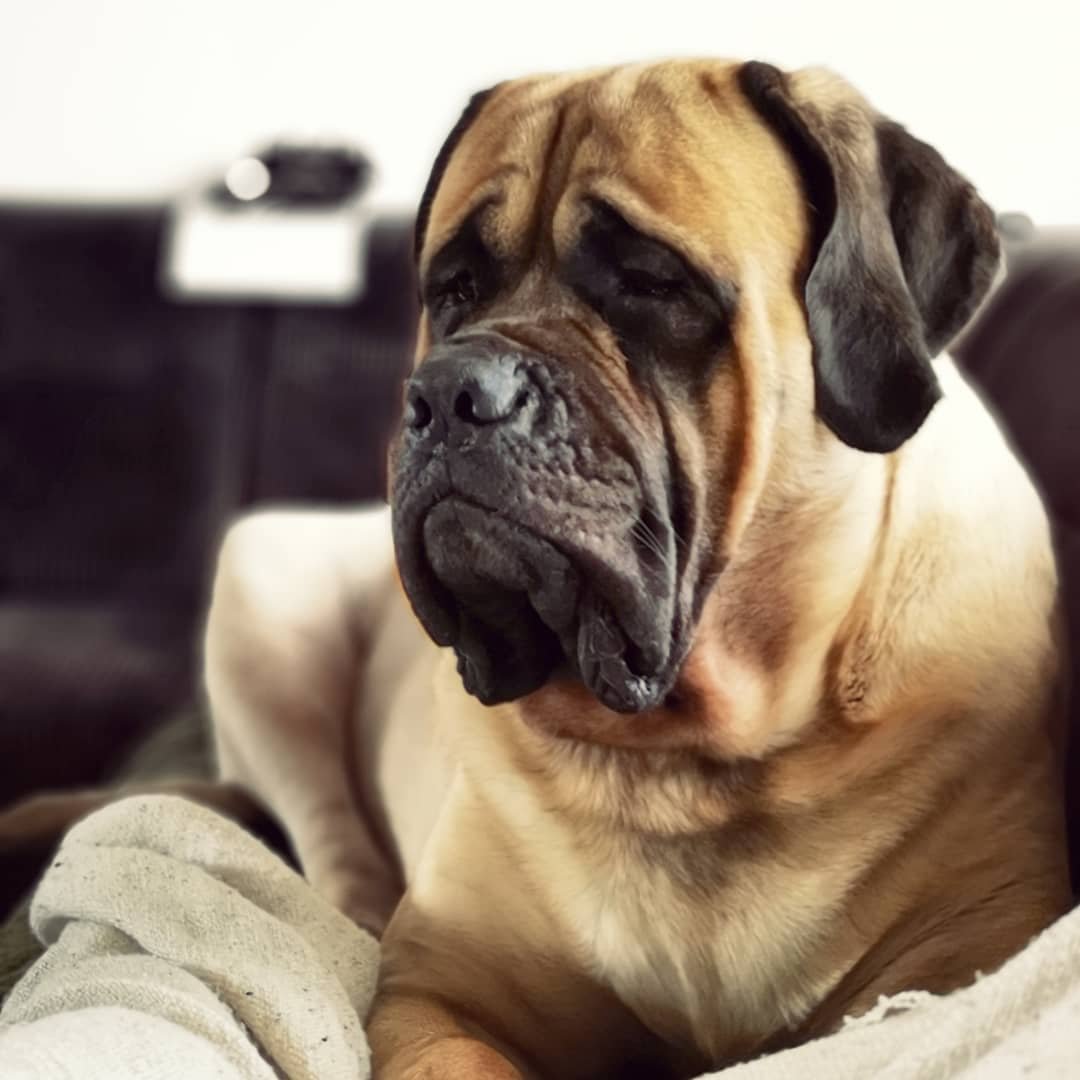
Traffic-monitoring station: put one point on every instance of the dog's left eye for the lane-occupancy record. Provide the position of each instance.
(646, 286)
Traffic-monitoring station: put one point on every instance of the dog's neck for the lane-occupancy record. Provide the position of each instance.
(761, 667)
(764, 661)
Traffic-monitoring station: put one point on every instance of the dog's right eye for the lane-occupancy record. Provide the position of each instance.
(451, 299)
(457, 290)
(462, 276)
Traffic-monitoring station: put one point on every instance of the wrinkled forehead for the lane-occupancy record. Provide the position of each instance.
(676, 147)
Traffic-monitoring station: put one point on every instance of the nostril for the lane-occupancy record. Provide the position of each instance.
(417, 413)
(521, 401)
(464, 408)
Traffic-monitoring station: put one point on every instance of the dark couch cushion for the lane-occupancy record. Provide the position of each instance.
(1024, 353)
(116, 433)
(132, 430)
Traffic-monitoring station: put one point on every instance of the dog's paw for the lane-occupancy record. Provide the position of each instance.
(454, 1059)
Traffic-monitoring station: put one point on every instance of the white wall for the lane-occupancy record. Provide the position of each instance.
(125, 98)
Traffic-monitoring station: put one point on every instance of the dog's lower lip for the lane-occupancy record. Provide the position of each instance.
(506, 593)
(484, 565)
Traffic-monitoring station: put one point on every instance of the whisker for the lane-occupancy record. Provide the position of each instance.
(648, 540)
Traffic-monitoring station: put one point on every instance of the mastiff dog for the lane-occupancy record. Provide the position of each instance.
(702, 683)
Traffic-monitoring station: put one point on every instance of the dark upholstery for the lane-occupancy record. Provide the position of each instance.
(1024, 352)
(132, 429)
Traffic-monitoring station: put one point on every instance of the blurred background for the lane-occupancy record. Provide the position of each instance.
(206, 296)
(125, 99)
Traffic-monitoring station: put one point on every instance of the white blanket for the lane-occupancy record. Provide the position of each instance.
(180, 948)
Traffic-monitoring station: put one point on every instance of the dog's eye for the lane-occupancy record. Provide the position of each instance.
(646, 286)
(457, 290)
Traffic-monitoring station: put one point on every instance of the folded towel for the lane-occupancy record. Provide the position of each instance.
(178, 946)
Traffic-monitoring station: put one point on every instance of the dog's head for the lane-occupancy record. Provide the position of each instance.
(642, 288)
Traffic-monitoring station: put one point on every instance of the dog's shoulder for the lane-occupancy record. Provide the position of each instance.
(964, 584)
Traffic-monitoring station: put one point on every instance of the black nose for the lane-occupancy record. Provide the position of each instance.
(464, 391)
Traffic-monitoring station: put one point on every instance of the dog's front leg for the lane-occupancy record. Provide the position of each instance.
(419, 1038)
(443, 1004)
(482, 998)
(297, 599)
(483, 977)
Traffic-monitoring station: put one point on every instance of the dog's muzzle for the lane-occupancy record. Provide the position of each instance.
(529, 532)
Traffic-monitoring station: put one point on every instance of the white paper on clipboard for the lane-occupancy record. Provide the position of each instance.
(253, 253)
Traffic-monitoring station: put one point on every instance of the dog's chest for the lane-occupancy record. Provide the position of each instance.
(713, 937)
(714, 959)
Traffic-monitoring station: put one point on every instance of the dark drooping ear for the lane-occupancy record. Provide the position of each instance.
(905, 250)
(442, 159)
